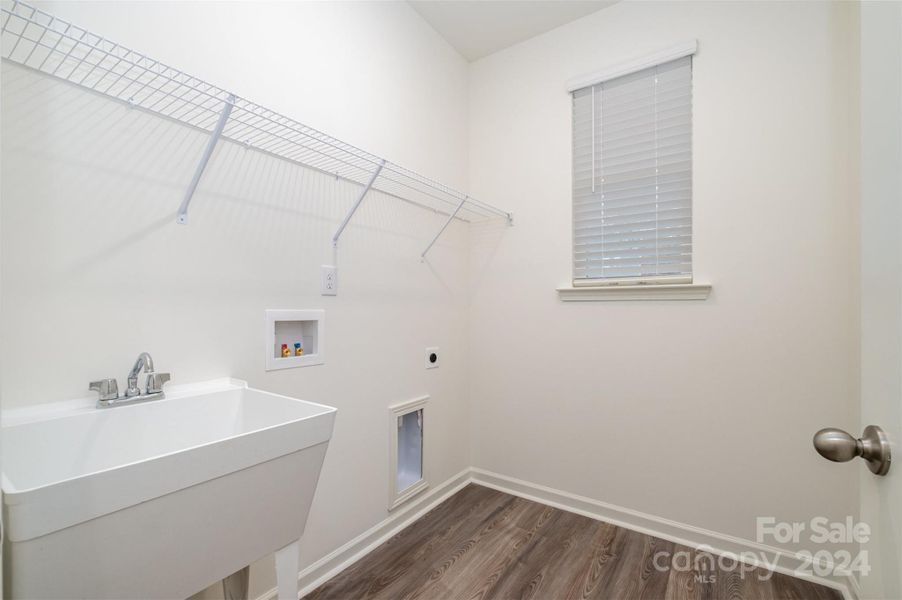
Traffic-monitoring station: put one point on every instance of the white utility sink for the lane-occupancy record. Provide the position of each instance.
(160, 499)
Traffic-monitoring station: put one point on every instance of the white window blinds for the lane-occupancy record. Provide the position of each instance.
(632, 176)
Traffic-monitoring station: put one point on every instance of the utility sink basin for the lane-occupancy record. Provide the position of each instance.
(155, 500)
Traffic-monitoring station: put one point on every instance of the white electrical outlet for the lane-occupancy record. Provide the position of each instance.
(432, 358)
(329, 282)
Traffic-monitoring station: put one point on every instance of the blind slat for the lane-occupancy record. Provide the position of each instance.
(667, 193)
(649, 214)
(632, 174)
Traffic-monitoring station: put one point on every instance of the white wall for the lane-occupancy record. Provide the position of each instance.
(699, 412)
(95, 269)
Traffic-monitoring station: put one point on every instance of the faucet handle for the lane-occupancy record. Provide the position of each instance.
(155, 382)
(107, 388)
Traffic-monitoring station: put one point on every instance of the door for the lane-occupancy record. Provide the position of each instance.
(881, 285)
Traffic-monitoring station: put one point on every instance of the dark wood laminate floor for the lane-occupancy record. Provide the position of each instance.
(484, 544)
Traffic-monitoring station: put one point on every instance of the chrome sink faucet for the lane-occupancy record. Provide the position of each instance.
(109, 389)
(144, 362)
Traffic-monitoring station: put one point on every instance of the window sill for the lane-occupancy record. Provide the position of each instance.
(607, 293)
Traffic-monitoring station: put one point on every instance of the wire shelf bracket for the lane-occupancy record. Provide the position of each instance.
(182, 218)
(44, 43)
(442, 230)
(363, 192)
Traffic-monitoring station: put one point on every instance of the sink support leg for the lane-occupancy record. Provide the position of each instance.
(287, 571)
(234, 587)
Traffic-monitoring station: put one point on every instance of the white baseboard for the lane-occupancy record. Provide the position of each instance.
(687, 535)
(854, 587)
(680, 533)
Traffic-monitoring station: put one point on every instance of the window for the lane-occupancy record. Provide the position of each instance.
(632, 177)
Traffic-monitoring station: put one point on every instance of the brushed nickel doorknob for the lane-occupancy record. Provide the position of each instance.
(839, 446)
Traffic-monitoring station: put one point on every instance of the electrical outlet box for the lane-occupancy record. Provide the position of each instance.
(432, 358)
(329, 284)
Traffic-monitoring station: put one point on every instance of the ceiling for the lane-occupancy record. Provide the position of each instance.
(477, 28)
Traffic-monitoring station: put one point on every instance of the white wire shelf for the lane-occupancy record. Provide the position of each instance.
(42, 42)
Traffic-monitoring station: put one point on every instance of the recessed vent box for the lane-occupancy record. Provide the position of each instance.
(294, 338)
(407, 429)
